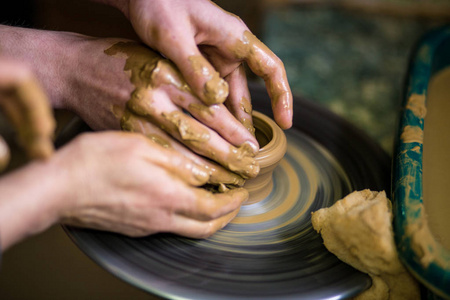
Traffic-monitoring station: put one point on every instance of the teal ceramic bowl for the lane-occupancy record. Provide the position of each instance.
(420, 251)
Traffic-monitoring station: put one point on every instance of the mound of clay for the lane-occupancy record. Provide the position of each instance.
(358, 230)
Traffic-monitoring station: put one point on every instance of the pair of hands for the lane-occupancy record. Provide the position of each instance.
(116, 181)
(123, 182)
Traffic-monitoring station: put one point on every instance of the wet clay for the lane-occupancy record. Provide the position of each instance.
(146, 68)
(215, 90)
(358, 230)
(246, 106)
(273, 145)
(251, 49)
(217, 174)
(26, 106)
(5, 154)
(147, 71)
(187, 130)
(436, 158)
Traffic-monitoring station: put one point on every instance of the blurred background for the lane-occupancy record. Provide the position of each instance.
(350, 56)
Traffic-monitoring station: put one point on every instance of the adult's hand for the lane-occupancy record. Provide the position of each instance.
(99, 79)
(208, 44)
(115, 181)
(161, 96)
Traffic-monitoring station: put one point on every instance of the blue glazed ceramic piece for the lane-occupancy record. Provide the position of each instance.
(425, 257)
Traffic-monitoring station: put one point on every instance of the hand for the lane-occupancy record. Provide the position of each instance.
(160, 97)
(208, 44)
(114, 181)
(27, 108)
(81, 77)
(123, 182)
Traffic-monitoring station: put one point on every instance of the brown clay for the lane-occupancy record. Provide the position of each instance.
(27, 108)
(273, 145)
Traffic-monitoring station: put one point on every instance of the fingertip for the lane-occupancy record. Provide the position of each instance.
(206, 81)
(215, 90)
(241, 193)
(285, 122)
(283, 112)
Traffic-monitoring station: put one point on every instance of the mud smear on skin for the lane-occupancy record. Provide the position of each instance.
(148, 70)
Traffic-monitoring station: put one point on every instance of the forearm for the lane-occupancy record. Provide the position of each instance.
(31, 200)
(74, 71)
(48, 53)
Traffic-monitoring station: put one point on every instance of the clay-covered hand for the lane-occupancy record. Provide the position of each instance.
(24, 103)
(96, 78)
(123, 182)
(162, 97)
(208, 44)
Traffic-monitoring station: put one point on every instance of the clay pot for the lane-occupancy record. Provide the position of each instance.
(273, 145)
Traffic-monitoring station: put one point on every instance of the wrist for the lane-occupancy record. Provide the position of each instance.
(31, 201)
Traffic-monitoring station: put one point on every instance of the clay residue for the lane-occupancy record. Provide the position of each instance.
(149, 70)
(26, 106)
(358, 230)
(215, 90)
(165, 72)
(243, 156)
(262, 61)
(139, 104)
(5, 154)
(159, 140)
(202, 110)
(188, 129)
(416, 103)
(412, 134)
(246, 106)
(140, 61)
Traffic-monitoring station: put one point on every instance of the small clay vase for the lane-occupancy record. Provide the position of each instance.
(273, 145)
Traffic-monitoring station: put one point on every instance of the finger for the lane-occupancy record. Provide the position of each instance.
(217, 174)
(169, 159)
(210, 213)
(160, 110)
(208, 143)
(264, 63)
(182, 167)
(238, 102)
(217, 117)
(200, 75)
(28, 109)
(201, 229)
(5, 154)
(203, 205)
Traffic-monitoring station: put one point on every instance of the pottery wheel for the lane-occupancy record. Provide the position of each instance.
(270, 249)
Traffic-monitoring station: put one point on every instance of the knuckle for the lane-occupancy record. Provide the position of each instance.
(208, 230)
